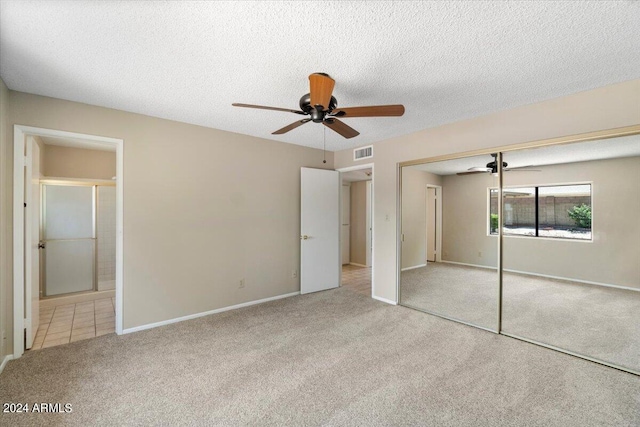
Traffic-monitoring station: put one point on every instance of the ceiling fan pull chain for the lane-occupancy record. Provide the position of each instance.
(324, 145)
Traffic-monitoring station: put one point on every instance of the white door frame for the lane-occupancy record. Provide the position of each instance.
(342, 237)
(438, 221)
(369, 222)
(19, 161)
(373, 245)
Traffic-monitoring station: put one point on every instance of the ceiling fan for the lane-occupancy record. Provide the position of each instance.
(492, 167)
(322, 107)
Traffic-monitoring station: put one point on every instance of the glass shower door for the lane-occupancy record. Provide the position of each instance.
(69, 238)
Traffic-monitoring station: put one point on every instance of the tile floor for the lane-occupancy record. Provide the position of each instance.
(357, 279)
(67, 323)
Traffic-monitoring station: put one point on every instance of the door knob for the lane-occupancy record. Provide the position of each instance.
(41, 245)
(305, 237)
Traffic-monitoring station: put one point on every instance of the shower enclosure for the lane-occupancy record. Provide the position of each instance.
(77, 238)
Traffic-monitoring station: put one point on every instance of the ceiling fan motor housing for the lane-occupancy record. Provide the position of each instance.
(317, 115)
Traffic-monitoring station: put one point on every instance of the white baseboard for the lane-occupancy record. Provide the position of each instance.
(469, 265)
(357, 265)
(586, 282)
(388, 301)
(414, 267)
(5, 361)
(206, 313)
(547, 276)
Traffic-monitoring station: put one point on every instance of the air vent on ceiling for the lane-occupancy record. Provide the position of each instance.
(363, 153)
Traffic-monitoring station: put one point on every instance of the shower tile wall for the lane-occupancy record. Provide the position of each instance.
(106, 228)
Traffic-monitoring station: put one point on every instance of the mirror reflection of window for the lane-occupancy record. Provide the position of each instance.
(563, 211)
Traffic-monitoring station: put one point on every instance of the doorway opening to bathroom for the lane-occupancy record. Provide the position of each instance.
(356, 230)
(67, 237)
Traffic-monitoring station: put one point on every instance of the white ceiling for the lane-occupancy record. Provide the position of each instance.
(188, 61)
(357, 175)
(627, 146)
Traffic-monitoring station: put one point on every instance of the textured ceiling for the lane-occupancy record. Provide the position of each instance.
(188, 61)
(612, 148)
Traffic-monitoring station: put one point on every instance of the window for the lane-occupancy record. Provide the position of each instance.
(558, 211)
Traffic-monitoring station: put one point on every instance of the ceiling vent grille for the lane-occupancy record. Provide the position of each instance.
(363, 153)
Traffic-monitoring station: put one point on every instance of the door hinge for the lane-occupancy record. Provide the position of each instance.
(25, 205)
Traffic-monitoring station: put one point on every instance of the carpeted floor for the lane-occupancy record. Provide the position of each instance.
(596, 321)
(329, 358)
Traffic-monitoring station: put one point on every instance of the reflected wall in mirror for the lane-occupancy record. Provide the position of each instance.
(571, 249)
(448, 258)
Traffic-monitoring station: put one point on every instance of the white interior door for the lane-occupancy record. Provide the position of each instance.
(431, 224)
(345, 234)
(32, 240)
(319, 230)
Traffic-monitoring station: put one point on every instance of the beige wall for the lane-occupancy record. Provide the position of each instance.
(203, 208)
(42, 150)
(70, 162)
(414, 215)
(603, 108)
(464, 220)
(6, 346)
(358, 233)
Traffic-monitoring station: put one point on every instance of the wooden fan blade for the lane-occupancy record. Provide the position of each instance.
(340, 127)
(470, 173)
(372, 111)
(290, 127)
(321, 88)
(263, 107)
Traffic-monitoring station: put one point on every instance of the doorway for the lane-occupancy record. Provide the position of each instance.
(356, 231)
(67, 267)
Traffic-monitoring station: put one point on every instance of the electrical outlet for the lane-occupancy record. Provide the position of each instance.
(294, 274)
(241, 285)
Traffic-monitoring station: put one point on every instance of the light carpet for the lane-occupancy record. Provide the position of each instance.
(596, 321)
(329, 358)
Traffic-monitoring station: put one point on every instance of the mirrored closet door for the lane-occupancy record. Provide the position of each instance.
(449, 261)
(571, 249)
(569, 245)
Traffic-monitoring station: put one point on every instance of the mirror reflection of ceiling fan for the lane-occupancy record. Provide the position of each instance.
(492, 168)
(322, 107)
